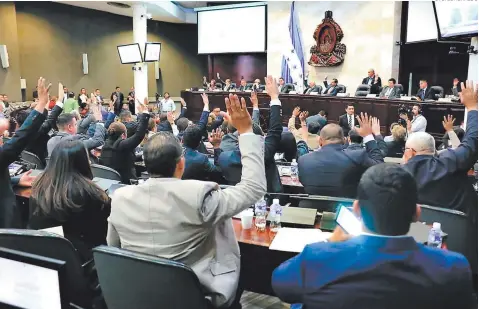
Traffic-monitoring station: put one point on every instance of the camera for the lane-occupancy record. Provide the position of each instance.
(403, 110)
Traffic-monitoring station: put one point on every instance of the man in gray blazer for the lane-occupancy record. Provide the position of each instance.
(189, 220)
(390, 92)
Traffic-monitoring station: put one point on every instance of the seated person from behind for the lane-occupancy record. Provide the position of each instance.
(442, 178)
(373, 80)
(311, 87)
(321, 118)
(127, 119)
(313, 128)
(390, 92)
(64, 195)
(389, 138)
(418, 122)
(425, 93)
(118, 152)
(332, 89)
(67, 129)
(189, 220)
(396, 146)
(382, 267)
(70, 104)
(333, 170)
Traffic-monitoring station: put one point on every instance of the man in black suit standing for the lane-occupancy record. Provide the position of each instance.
(374, 81)
(425, 93)
(348, 120)
(311, 87)
(10, 151)
(119, 100)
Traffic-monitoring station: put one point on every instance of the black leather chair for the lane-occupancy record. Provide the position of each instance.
(400, 87)
(462, 232)
(439, 91)
(102, 171)
(362, 90)
(135, 280)
(289, 87)
(77, 287)
(342, 88)
(32, 158)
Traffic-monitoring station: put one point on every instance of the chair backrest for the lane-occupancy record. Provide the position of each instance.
(362, 90)
(53, 246)
(342, 88)
(32, 158)
(461, 234)
(135, 280)
(439, 91)
(290, 87)
(400, 87)
(320, 88)
(102, 171)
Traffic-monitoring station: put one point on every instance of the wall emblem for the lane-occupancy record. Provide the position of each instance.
(328, 50)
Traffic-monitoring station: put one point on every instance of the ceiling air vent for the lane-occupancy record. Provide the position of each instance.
(119, 5)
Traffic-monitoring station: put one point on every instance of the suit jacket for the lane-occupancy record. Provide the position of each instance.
(375, 272)
(430, 94)
(308, 90)
(442, 180)
(335, 171)
(344, 123)
(243, 88)
(334, 92)
(90, 143)
(9, 152)
(395, 149)
(395, 93)
(284, 89)
(118, 104)
(375, 86)
(190, 221)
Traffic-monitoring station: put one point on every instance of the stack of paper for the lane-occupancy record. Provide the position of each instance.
(294, 240)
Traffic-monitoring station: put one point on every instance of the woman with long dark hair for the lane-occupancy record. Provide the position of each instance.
(65, 195)
(118, 152)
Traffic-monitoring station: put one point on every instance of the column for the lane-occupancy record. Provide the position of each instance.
(140, 37)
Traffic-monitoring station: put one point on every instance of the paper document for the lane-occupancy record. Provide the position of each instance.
(56, 230)
(294, 240)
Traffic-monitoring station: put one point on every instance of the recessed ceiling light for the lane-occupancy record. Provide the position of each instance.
(119, 5)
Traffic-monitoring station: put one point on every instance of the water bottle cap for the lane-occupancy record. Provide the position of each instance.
(294, 161)
(276, 201)
(436, 225)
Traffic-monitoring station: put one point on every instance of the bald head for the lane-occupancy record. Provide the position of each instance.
(422, 143)
(331, 134)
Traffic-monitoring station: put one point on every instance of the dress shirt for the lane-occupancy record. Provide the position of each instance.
(167, 105)
(370, 81)
(352, 120)
(388, 92)
(418, 124)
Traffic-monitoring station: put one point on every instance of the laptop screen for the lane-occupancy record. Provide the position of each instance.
(28, 286)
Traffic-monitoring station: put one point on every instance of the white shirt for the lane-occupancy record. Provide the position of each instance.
(167, 105)
(418, 124)
(388, 92)
(279, 88)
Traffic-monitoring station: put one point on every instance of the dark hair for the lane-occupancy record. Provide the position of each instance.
(117, 87)
(418, 106)
(387, 196)
(423, 80)
(281, 78)
(182, 124)
(82, 89)
(66, 182)
(349, 104)
(96, 89)
(166, 92)
(124, 115)
(21, 116)
(314, 127)
(192, 137)
(392, 80)
(323, 113)
(161, 154)
(355, 137)
(71, 94)
(151, 124)
(287, 146)
(64, 119)
(335, 80)
(115, 130)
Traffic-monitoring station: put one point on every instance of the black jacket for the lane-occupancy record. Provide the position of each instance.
(375, 86)
(395, 149)
(430, 94)
(9, 152)
(119, 154)
(344, 123)
(118, 104)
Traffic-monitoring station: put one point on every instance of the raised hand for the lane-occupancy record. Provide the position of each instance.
(296, 111)
(170, 117)
(303, 116)
(206, 101)
(448, 123)
(238, 115)
(468, 95)
(216, 137)
(365, 125)
(254, 99)
(271, 87)
(142, 107)
(375, 126)
(42, 94)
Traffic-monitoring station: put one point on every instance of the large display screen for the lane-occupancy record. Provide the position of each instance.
(130, 53)
(456, 18)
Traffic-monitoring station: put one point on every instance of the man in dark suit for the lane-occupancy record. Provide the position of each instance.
(374, 81)
(442, 179)
(256, 85)
(382, 267)
(10, 151)
(282, 86)
(311, 87)
(425, 93)
(117, 98)
(243, 85)
(230, 161)
(332, 89)
(334, 171)
(390, 92)
(348, 120)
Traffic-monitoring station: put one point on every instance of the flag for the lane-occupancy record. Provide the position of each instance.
(292, 68)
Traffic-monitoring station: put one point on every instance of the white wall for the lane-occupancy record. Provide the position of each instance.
(472, 71)
(369, 36)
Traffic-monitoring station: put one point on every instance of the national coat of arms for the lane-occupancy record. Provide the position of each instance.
(328, 50)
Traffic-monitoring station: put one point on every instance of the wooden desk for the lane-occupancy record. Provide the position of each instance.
(385, 110)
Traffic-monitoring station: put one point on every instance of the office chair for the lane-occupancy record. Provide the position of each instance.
(342, 88)
(439, 91)
(135, 280)
(102, 171)
(400, 87)
(289, 87)
(77, 287)
(362, 91)
(32, 158)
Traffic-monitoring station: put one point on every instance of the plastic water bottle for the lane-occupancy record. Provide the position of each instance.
(435, 236)
(276, 212)
(260, 214)
(294, 170)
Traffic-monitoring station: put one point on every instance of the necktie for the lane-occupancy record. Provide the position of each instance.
(423, 94)
(350, 121)
(330, 89)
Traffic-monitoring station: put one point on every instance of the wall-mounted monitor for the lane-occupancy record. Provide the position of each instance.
(130, 53)
(456, 19)
(152, 52)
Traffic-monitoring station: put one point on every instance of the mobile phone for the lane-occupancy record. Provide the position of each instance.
(346, 219)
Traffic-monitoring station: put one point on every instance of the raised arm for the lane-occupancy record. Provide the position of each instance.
(381, 144)
(205, 114)
(135, 140)
(273, 138)
(98, 138)
(292, 120)
(254, 100)
(374, 155)
(51, 119)
(448, 124)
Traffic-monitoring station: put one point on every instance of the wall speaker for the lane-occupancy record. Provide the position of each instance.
(4, 56)
(85, 64)
(157, 70)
